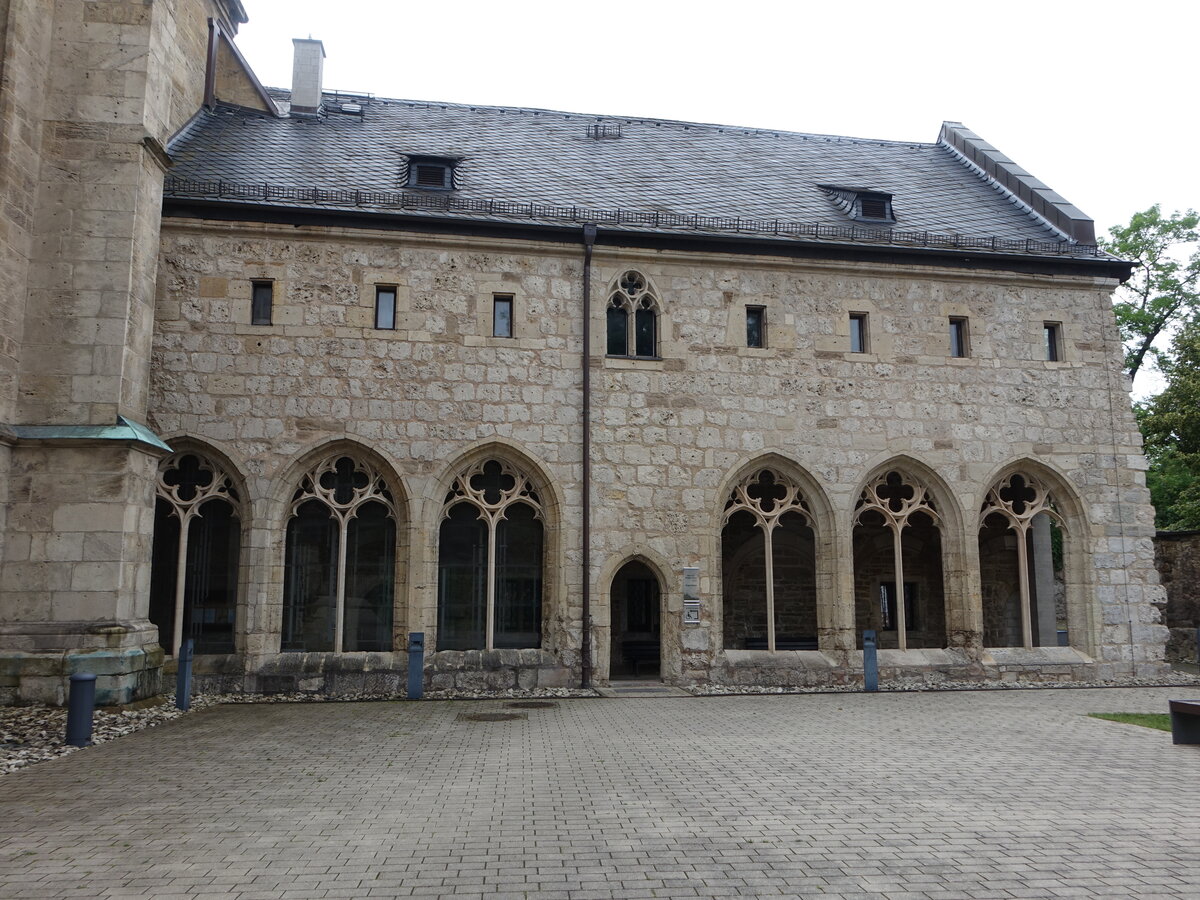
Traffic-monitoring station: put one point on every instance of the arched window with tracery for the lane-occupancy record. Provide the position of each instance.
(196, 521)
(768, 565)
(1021, 545)
(898, 578)
(340, 560)
(490, 560)
(632, 318)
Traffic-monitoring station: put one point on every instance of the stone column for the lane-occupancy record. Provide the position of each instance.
(1045, 620)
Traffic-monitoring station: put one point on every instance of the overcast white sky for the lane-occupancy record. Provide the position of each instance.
(1097, 99)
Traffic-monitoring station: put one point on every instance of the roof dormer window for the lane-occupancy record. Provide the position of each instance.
(430, 173)
(876, 207)
(862, 204)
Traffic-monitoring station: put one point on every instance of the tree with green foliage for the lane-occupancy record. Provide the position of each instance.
(1170, 424)
(1164, 289)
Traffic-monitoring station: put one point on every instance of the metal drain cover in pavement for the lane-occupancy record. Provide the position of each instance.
(489, 717)
(531, 704)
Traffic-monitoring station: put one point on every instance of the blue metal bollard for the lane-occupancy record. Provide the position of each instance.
(80, 706)
(416, 665)
(183, 677)
(870, 662)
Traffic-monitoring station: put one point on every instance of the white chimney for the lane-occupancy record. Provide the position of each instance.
(307, 63)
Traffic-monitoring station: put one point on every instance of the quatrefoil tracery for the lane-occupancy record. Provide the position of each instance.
(896, 497)
(187, 480)
(343, 484)
(1019, 498)
(492, 486)
(768, 496)
(633, 293)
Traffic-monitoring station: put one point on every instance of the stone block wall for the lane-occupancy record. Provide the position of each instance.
(671, 433)
(1177, 555)
(90, 94)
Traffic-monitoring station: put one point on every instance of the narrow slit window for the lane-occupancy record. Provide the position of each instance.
(756, 326)
(385, 307)
(262, 299)
(959, 338)
(858, 333)
(502, 315)
(1052, 340)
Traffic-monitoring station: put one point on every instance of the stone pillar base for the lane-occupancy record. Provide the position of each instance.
(38, 659)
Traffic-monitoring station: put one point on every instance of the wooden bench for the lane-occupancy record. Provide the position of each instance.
(637, 652)
(783, 642)
(1185, 721)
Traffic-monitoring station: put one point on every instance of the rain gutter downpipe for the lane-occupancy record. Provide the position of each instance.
(589, 240)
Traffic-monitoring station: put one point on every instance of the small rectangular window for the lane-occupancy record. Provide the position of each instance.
(502, 315)
(385, 307)
(959, 338)
(756, 326)
(262, 298)
(859, 340)
(1052, 339)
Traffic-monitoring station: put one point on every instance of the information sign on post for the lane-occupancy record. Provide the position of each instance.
(691, 595)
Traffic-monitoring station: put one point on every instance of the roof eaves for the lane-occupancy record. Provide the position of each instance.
(443, 205)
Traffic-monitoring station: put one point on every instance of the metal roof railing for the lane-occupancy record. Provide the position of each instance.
(262, 194)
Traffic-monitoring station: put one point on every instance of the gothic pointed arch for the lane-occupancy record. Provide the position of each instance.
(340, 553)
(768, 562)
(632, 316)
(1031, 533)
(200, 505)
(901, 522)
(491, 554)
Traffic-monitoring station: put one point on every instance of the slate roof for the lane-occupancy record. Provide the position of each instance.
(530, 164)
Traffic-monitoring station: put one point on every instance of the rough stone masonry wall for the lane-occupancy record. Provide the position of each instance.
(670, 434)
(91, 92)
(1177, 555)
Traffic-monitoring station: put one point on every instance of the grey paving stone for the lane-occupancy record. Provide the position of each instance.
(909, 796)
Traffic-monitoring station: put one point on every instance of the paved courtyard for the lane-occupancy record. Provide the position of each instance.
(952, 795)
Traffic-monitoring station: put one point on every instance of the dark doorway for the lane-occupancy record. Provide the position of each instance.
(636, 650)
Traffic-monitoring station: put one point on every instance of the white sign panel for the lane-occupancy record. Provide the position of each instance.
(691, 583)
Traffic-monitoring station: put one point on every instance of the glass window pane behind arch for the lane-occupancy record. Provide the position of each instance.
(645, 333)
(618, 331)
(210, 596)
(370, 572)
(163, 568)
(518, 621)
(462, 584)
(310, 579)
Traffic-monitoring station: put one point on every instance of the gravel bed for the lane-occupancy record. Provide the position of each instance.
(934, 683)
(30, 734)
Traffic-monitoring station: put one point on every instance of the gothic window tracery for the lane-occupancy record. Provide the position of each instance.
(490, 560)
(895, 502)
(197, 536)
(632, 318)
(768, 563)
(339, 577)
(1023, 505)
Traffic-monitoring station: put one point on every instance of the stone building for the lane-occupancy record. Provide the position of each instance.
(293, 374)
